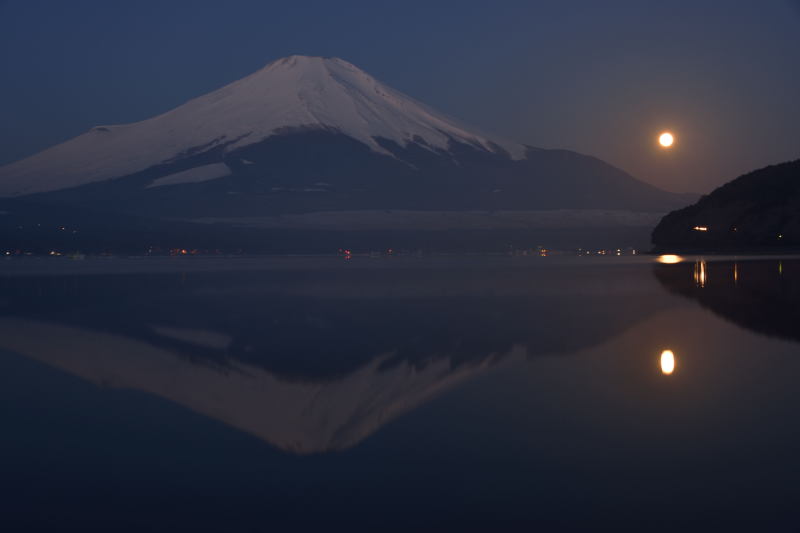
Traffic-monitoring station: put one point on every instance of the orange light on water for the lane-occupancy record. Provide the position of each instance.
(700, 273)
(669, 259)
(667, 362)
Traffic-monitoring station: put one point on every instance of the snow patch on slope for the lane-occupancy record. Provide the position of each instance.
(207, 339)
(193, 175)
(294, 92)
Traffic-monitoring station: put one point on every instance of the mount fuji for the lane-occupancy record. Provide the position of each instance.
(310, 135)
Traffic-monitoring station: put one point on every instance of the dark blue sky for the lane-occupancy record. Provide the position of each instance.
(598, 77)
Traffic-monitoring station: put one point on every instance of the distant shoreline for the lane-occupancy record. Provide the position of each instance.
(765, 252)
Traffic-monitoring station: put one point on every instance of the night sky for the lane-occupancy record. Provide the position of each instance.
(603, 78)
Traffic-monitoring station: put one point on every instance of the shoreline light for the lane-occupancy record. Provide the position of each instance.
(669, 259)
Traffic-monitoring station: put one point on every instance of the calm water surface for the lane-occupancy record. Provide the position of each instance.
(402, 394)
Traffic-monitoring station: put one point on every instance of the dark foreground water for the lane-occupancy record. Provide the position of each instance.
(399, 394)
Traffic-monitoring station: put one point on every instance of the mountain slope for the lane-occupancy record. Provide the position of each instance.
(292, 93)
(758, 209)
(308, 134)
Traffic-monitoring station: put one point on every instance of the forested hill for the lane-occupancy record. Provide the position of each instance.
(757, 211)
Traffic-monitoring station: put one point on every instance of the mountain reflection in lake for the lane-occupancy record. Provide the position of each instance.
(309, 361)
(531, 391)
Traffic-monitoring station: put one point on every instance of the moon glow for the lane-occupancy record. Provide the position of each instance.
(666, 139)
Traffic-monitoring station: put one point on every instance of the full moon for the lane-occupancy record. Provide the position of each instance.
(666, 139)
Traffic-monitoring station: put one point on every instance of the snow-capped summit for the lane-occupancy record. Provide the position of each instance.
(310, 135)
(293, 93)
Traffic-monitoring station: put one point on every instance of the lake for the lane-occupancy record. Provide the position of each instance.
(484, 393)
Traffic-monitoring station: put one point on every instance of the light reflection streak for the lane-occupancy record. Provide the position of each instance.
(700, 273)
(667, 362)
